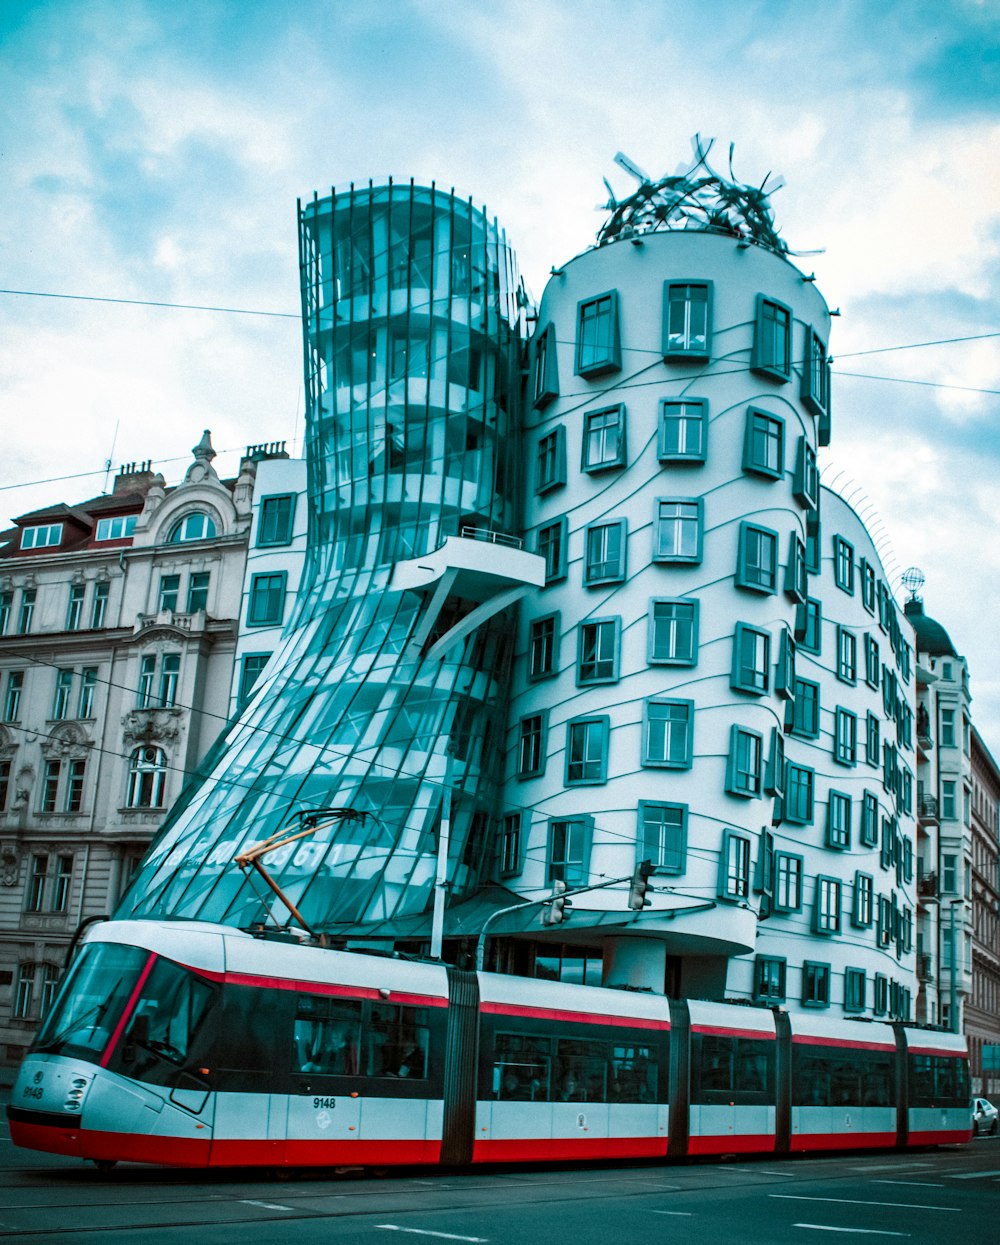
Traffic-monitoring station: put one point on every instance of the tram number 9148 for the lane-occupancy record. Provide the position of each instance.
(324, 1103)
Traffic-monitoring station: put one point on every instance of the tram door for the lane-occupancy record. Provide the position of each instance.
(323, 1119)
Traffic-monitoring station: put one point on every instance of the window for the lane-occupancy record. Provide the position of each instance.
(74, 786)
(814, 555)
(509, 859)
(772, 344)
(784, 670)
(50, 786)
(6, 606)
(847, 655)
(117, 527)
(569, 850)
(864, 900)
(194, 526)
(872, 740)
(872, 661)
(28, 598)
(815, 984)
(787, 882)
(751, 671)
(845, 745)
(551, 547)
(662, 836)
(198, 591)
(734, 866)
(277, 515)
(764, 444)
(147, 676)
(867, 585)
(949, 874)
(808, 625)
(550, 460)
(598, 346)
(673, 632)
(74, 610)
(36, 883)
(603, 439)
(947, 732)
(169, 672)
(605, 553)
(854, 989)
(64, 692)
(146, 777)
(170, 587)
(678, 530)
(12, 701)
(796, 581)
(774, 772)
(948, 800)
(881, 1005)
(41, 537)
(667, 733)
(543, 643)
(50, 983)
(250, 671)
(869, 819)
(587, 751)
(769, 979)
(805, 489)
(743, 773)
(683, 431)
(597, 659)
(267, 600)
(815, 375)
(545, 374)
(24, 993)
(843, 564)
(99, 607)
(531, 745)
(838, 821)
(800, 783)
(4, 784)
(757, 564)
(687, 321)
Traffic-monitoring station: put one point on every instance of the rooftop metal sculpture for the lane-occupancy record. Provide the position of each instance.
(694, 198)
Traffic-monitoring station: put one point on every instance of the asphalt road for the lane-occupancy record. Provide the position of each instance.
(926, 1197)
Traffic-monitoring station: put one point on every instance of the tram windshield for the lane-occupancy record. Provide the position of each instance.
(91, 1000)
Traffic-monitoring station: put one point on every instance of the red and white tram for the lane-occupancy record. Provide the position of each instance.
(197, 1045)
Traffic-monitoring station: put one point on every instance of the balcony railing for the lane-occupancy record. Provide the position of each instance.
(924, 967)
(927, 807)
(494, 538)
(927, 885)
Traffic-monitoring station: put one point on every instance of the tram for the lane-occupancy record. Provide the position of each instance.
(189, 1044)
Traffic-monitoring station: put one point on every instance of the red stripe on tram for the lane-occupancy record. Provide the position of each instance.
(591, 1018)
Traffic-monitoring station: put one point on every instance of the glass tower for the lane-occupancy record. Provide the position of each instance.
(391, 680)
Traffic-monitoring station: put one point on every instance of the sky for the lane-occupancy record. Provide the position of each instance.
(155, 151)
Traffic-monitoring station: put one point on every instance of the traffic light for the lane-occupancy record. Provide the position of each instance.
(640, 883)
(554, 912)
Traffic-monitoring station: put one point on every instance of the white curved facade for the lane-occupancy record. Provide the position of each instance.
(678, 392)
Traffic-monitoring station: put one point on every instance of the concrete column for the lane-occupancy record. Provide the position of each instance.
(637, 962)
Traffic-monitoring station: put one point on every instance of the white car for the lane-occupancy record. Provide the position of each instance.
(984, 1116)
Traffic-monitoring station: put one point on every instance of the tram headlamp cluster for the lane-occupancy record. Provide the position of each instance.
(76, 1094)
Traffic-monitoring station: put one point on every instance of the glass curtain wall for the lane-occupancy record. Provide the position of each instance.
(412, 338)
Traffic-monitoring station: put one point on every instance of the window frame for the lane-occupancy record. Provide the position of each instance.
(845, 737)
(579, 860)
(659, 520)
(687, 760)
(847, 655)
(735, 866)
(41, 536)
(600, 626)
(275, 594)
(610, 358)
(550, 460)
(754, 677)
(555, 565)
(863, 905)
(522, 738)
(538, 641)
(617, 428)
(686, 413)
(661, 858)
(770, 976)
(744, 778)
(805, 488)
(793, 875)
(815, 984)
(803, 811)
(843, 564)
(839, 816)
(590, 729)
(544, 368)
(244, 692)
(761, 423)
(686, 353)
(284, 525)
(751, 578)
(815, 390)
(675, 627)
(609, 570)
(767, 346)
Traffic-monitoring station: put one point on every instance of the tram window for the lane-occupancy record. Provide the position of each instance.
(833, 1077)
(327, 1036)
(522, 1068)
(169, 1012)
(938, 1081)
(581, 1071)
(397, 1041)
(91, 1000)
(633, 1074)
(729, 1069)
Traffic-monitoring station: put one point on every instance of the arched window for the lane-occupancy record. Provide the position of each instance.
(147, 773)
(194, 526)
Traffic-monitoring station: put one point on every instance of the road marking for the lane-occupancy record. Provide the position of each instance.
(918, 1184)
(247, 1201)
(823, 1227)
(885, 1167)
(448, 1236)
(686, 1213)
(971, 1175)
(856, 1201)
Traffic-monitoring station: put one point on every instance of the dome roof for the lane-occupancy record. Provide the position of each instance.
(931, 636)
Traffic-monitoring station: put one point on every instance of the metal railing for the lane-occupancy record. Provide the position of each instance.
(494, 538)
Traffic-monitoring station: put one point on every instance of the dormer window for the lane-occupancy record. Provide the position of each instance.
(41, 537)
(116, 528)
(194, 526)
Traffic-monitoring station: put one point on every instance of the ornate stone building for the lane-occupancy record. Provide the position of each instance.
(118, 622)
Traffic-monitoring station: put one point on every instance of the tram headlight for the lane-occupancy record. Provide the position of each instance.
(76, 1094)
